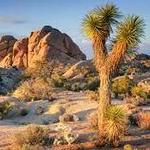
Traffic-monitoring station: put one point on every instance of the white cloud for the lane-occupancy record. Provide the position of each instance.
(12, 20)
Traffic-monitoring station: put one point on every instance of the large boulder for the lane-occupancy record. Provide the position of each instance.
(80, 69)
(47, 43)
(139, 77)
(50, 43)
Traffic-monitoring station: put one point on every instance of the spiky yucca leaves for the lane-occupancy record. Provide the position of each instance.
(129, 33)
(116, 124)
(108, 14)
(97, 26)
(93, 27)
(99, 21)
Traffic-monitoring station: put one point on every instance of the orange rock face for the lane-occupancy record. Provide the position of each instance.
(20, 54)
(6, 48)
(48, 43)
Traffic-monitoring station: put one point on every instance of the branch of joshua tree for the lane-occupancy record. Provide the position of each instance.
(114, 58)
(128, 36)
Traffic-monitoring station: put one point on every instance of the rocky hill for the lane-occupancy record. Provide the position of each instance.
(47, 43)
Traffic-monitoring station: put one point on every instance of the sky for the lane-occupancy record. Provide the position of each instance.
(20, 17)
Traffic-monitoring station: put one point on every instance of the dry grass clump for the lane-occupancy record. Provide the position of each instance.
(34, 90)
(33, 137)
(92, 95)
(29, 147)
(93, 121)
(144, 120)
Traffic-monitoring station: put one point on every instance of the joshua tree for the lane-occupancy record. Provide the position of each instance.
(98, 25)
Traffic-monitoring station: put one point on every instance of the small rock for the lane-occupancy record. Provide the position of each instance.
(39, 110)
(45, 122)
(56, 109)
(66, 118)
(76, 118)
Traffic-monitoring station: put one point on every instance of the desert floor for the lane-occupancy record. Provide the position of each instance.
(73, 103)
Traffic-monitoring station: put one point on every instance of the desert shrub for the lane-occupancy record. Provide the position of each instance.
(67, 85)
(88, 83)
(92, 83)
(115, 126)
(122, 85)
(76, 86)
(136, 101)
(5, 107)
(33, 136)
(58, 81)
(143, 120)
(65, 135)
(34, 89)
(139, 91)
(92, 95)
(42, 69)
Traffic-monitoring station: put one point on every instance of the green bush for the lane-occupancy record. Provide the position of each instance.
(5, 107)
(139, 91)
(122, 85)
(67, 85)
(59, 81)
(76, 86)
(93, 84)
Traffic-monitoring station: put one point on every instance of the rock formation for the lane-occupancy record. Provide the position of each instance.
(47, 43)
(20, 53)
(6, 48)
(81, 68)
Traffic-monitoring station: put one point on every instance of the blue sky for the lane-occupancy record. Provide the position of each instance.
(20, 17)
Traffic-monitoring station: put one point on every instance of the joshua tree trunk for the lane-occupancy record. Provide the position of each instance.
(104, 98)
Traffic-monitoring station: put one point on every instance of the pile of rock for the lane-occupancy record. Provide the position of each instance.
(8, 79)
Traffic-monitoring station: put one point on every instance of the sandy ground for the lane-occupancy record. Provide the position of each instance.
(74, 103)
